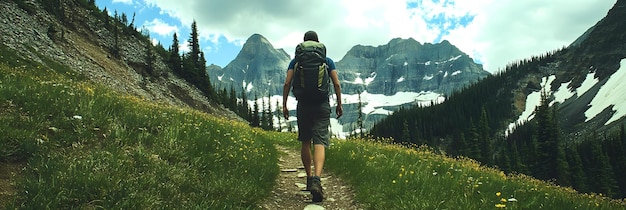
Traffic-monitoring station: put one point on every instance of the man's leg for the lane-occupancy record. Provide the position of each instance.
(305, 155)
(315, 181)
(319, 157)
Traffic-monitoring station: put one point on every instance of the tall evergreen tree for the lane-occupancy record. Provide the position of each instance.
(486, 150)
(359, 119)
(194, 51)
(194, 66)
(270, 116)
(277, 113)
(264, 121)
(551, 155)
(244, 107)
(473, 150)
(255, 113)
(405, 131)
(150, 58)
(578, 178)
(174, 59)
(562, 166)
(599, 168)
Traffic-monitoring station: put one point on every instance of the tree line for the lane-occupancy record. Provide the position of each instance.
(471, 123)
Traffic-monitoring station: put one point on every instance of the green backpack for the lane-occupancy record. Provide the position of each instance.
(311, 80)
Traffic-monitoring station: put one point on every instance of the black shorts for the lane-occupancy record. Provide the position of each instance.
(313, 122)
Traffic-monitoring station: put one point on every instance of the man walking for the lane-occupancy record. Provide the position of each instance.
(309, 74)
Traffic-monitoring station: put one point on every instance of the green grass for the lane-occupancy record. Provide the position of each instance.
(387, 176)
(88, 147)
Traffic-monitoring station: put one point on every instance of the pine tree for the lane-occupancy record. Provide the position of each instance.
(405, 132)
(194, 66)
(562, 166)
(278, 112)
(578, 177)
(473, 150)
(359, 119)
(244, 108)
(552, 163)
(150, 59)
(484, 138)
(600, 169)
(194, 51)
(174, 59)
(545, 165)
(264, 116)
(255, 113)
(270, 116)
(116, 36)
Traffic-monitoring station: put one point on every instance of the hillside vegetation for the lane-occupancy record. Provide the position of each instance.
(87, 146)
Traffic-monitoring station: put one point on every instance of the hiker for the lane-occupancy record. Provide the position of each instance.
(309, 74)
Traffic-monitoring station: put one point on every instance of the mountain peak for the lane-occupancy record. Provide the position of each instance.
(410, 41)
(257, 38)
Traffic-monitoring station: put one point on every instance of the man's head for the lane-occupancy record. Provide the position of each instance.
(311, 36)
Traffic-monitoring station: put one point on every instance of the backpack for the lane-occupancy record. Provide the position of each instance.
(311, 80)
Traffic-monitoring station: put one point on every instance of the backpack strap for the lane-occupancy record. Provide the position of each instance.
(323, 69)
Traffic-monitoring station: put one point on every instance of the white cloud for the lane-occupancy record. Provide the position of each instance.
(129, 2)
(161, 28)
(506, 30)
(500, 31)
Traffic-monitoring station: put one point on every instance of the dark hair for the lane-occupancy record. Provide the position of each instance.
(311, 36)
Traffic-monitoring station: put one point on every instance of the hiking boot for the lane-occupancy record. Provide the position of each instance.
(316, 189)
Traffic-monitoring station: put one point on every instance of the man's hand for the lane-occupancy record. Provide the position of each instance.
(285, 112)
(339, 111)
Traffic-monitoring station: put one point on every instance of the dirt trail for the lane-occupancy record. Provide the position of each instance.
(8, 173)
(288, 195)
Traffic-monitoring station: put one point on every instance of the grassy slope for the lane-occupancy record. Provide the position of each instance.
(388, 176)
(89, 147)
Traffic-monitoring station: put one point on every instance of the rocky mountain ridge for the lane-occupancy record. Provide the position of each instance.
(400, 66)
(405, 65)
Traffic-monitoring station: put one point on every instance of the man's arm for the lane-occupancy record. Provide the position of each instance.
(286, 88)
(337, 86)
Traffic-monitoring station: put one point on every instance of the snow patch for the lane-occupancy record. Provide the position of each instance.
(454, 58)
(532, 101)
(611, 93)
(370, 78)
(220, 77)
(389, 58)
(247, 86)
(563, 93)
(456, 72)
(406, 63)
(401, 79)
(428, 77)
(372, 104)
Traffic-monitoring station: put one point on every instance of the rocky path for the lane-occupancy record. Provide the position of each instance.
(288, 192)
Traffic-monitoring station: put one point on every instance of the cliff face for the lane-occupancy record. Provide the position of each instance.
(405, 65)
(258, 66)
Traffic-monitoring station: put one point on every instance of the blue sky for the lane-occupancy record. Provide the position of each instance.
(493, 32)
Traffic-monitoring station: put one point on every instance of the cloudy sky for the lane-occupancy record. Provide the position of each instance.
(492, 32)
